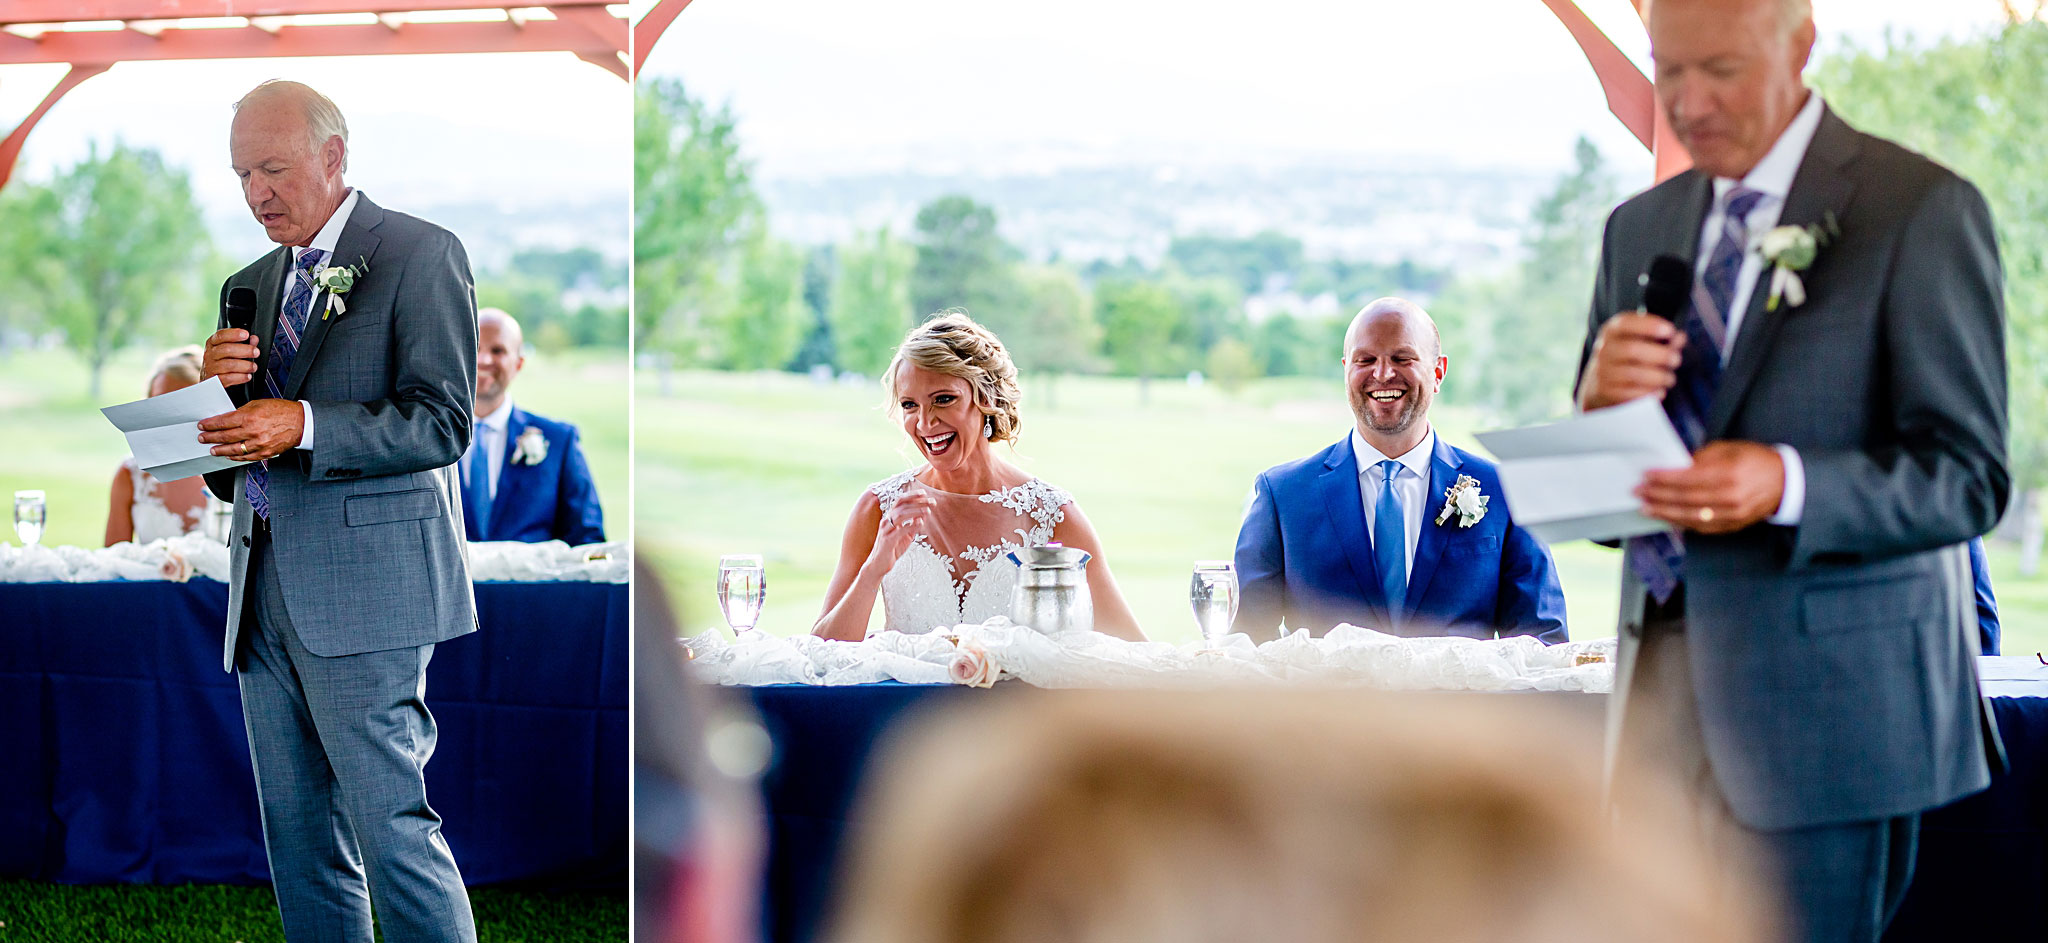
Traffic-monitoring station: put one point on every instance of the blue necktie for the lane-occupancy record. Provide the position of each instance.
(480, 485)
(1659, 558)
(284, 346)
(1390, 542)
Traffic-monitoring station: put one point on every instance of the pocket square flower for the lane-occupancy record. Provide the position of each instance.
(336, 280)
(1790, 250)
(1464, 499)
(531, 449)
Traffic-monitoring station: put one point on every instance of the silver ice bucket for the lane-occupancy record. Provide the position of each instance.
(1052, 589)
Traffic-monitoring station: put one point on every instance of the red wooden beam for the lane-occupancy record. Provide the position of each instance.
(1630, 95)
(106, 48)
(65, 11)
(10, 149)
(648, 31)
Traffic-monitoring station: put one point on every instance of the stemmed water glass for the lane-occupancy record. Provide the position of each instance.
(28, 517)
(742, 585)
(1213, 593)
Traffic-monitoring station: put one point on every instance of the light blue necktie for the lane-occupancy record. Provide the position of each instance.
(480, 484)
(1390, 542)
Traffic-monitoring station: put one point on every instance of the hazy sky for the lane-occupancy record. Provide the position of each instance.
(514, 128)
(945, 84)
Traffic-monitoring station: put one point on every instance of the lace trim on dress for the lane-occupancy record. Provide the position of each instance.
(925, 590)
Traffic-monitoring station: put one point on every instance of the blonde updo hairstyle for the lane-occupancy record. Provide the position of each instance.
(183, 363)
(953, 344)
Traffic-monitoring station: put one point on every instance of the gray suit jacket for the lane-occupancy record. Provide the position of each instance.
(1832, 660)
(367, 526)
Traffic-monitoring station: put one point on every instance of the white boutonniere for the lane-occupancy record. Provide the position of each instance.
(1790, 250)
(531, 449)
(1464, 498)
(336, 280)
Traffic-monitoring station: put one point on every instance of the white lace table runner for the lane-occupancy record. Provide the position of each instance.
(178, 559)
(1348, 655)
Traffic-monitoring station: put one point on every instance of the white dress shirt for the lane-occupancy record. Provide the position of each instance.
(1771, 177)
(324, 240)
(1411, 486)
(489, 433)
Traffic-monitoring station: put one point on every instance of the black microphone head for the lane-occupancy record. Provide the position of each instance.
(240, 308)
(1665, 286)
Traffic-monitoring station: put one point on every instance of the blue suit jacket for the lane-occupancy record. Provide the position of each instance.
(1304, 557)
(553, 499)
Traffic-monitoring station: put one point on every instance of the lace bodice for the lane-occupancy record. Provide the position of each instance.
(959, 575)
(151, 518)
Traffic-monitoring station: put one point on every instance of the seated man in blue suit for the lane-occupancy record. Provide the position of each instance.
(1360, 531)
(524, 477)
(1987, 605)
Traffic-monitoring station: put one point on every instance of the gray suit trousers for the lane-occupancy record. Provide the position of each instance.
(1837, 883)
(339, 745)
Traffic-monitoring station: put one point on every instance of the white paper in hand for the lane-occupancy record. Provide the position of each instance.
(1575, 479)
(163, 431)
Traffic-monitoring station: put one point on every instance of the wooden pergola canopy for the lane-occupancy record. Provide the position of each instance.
(91, 36)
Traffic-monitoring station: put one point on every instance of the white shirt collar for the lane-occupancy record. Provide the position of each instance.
(330, 234)
(1773, 175)
(499, 418)
(1415, 460)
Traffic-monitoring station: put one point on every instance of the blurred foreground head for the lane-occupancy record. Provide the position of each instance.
(1181, 817)
(696, 820)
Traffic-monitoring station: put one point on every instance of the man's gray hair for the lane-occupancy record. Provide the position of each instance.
(323, 119)
(1791, 13)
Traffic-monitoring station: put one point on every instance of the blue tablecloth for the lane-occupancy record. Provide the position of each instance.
(123, 757)
(1981, 873)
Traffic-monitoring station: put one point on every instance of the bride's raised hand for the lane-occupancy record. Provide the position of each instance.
(910, 515)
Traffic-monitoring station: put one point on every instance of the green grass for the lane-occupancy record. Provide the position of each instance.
(772, 463)
(33, 912)
(59, 442)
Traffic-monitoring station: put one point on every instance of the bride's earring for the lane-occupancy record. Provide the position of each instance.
(988, 427)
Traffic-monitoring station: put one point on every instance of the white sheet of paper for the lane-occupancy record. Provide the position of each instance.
(1572, 479)
(163, 431)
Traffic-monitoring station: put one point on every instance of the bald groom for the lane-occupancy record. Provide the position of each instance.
(1360, 532)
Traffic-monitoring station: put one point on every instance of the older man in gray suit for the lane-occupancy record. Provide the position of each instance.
(1800, 652)
(348, 558)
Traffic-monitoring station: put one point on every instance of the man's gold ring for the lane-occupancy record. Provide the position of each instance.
(1706, 515)
(245, 451)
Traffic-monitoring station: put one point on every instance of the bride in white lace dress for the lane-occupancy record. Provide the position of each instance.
(930, 542)
(141, 508)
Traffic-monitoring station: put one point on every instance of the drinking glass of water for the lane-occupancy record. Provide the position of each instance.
(742, 585)
(1213, 592)
(28, 517)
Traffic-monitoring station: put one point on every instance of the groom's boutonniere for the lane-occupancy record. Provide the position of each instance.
(531, 449)
(336, 280)
(1464, 498)
(1790, 250)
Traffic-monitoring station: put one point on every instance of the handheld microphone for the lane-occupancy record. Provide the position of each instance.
(240, 308)
(1665, 287)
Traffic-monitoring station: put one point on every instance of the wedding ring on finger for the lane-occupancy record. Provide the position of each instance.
(1706, 515)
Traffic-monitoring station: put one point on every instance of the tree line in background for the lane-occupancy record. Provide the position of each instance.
(715, 289)
(112, 253)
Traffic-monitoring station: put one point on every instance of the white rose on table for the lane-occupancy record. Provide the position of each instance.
(973, 667)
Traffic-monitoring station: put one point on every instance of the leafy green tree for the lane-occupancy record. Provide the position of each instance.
(1212, 311)
(1231, 364)
(694, 211)
(1055, 332)
(963, 262)
(1247, 262)
(870, 310)
(1979, 104)
(110, 252)
(764, 327)
(1138, 324)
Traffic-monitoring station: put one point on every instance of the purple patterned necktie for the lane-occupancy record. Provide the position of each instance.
(1659, 558)
(284, 345)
